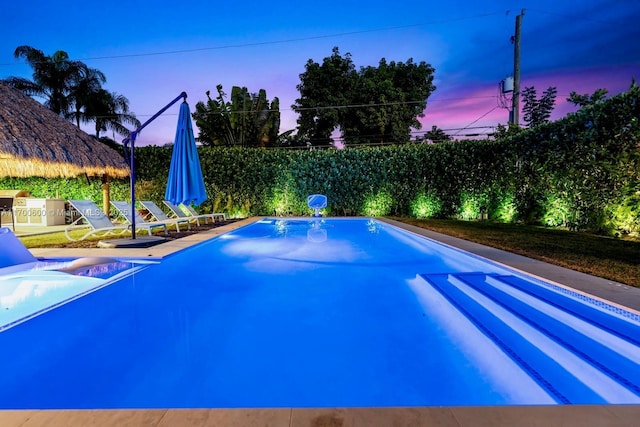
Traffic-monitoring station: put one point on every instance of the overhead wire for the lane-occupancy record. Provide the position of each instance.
(283, 41)
(298, 39)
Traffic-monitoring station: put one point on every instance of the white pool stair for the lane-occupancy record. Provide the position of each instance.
(588, 346)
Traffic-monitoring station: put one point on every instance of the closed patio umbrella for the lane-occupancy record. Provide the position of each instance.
(185, 183)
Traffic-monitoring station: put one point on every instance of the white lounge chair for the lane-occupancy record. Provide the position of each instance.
(100, 225)
(192, 212)
(158, 214)
(15, 255)
(12, 251)
(183, 211)
(124, 210)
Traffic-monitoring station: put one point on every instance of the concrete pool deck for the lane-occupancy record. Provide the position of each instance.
(556, 415)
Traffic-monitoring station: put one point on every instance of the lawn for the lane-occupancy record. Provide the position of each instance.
(613, 259)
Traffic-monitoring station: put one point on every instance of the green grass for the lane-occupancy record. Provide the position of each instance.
(613, 259)
(59, 240)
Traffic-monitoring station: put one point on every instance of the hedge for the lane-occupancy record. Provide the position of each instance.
(581, 172)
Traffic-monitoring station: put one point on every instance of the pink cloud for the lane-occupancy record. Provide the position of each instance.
(460, 110)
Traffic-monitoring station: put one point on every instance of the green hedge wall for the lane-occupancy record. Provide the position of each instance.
(581, 172)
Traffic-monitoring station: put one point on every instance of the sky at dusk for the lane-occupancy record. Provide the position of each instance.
(151, 51)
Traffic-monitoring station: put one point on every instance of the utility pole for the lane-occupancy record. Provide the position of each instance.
(515, 111)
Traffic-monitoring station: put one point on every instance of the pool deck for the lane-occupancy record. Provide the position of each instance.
(457, 416)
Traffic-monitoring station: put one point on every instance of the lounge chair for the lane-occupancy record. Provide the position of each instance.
(15, 255)
(158, 214)
(214, 216)
(12, 251)
(124, 210)
(182, 212)
(192, 212)
(100, 225)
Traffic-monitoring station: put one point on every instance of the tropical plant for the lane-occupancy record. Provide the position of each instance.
(73, 90)
(85, 86)
(247, 119)
(436, 135)
(110, 111)
(537, 111)
(53, 78)
(586, 99)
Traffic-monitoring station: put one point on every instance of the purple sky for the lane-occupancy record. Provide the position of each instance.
(152, 51)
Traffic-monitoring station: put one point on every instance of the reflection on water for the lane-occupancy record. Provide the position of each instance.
(373, 226)
(24, 288)
(43, 285)
(317, 234)
(316, 229)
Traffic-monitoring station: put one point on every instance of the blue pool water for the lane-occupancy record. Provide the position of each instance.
(312, 313)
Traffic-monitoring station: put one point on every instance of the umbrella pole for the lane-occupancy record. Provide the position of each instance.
(132, 183)
(132, 138)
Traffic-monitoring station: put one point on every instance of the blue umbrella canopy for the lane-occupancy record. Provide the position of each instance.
(185, 183)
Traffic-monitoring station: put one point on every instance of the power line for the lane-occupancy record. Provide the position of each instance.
(328, 107)
(283, 41)
(476, 120)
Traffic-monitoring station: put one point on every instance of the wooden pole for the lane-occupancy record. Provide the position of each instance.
(106, 199)
(516, 71)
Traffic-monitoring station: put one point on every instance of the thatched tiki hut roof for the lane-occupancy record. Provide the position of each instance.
(35, 141)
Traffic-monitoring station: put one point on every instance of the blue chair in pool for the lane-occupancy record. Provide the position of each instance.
(317, 202)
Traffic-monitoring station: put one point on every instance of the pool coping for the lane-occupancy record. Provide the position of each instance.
(566, 415)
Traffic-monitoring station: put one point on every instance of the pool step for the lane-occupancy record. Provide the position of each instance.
(604, 340)
(590, 352)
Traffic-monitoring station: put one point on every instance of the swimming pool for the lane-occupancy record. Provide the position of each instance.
(322, 313)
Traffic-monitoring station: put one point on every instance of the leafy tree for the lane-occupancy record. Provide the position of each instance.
(503, 131)
(537, 111)
(436, 135)
(247, 119)
(586, 99)
(323, 87)
(53, 78)
(389, 100)
(374, 104)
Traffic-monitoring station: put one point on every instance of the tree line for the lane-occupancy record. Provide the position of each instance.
(74, 91)
(369, 105)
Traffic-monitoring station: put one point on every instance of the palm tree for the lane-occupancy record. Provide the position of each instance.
(73, 90)
(53, 77)
(85, 87)
(110, 111)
